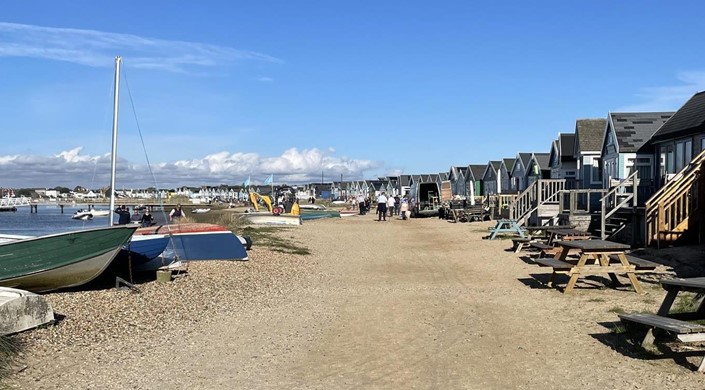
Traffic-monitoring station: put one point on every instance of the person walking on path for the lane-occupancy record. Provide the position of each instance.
(404, 209)
(361, 204)
(390, 206)
(381, 207)
(397, 204)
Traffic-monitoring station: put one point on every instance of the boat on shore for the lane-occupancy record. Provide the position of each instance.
(200, 211)
(308, 215)
(308, 206)
(267, 218)
(62, 260)
(22, 310)
(190, 242)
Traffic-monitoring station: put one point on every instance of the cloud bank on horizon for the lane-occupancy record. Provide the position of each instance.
(95, 49)
(71, 168)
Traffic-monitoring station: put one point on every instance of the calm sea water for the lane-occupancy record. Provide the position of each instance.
(49, 220)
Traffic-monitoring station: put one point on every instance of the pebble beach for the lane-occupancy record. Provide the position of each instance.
(382, 305)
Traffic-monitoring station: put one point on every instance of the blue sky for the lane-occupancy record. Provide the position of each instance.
(226, 90)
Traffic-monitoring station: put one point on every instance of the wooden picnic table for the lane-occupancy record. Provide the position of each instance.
(545, 230)
(598, 252)
(506, 226)
(567, 235)
(677, 285)
(677, 324)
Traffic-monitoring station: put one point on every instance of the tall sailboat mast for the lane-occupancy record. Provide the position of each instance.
(113, 153)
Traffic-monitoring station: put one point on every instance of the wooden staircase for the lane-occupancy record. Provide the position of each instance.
(676, 207)
(618, 206)
(541, 199)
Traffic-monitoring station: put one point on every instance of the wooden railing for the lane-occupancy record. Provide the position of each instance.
(540, 192)
(505, 200)
(580, 201)
(669, 210)
(621, 195)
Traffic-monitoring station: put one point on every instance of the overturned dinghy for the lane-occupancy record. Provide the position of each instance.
(21, 310)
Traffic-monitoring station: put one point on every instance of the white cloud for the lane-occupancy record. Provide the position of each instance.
(97, 48)
(71, 168)
(668, 98)
(265, 79)
(73, 155)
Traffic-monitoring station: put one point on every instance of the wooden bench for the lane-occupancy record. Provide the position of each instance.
(684, 331)
(503, 226)
(519, 242)
(557, 265)
(642, 265)
(545, 249)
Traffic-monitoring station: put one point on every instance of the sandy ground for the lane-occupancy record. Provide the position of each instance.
(392, 305)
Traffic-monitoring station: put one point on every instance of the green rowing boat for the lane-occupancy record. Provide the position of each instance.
(55, 261)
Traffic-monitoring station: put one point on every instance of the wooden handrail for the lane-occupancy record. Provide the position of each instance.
(672, 205)
(693, 165)
(540, 192)
(631, 180)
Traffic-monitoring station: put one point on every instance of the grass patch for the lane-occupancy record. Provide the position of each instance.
(596, 300)
(9, 348)
(618, 328)
(272, 238)
(617, 310)
(686, 303)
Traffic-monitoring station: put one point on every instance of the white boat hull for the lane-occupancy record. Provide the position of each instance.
(22, 310)
(84, 215)
(312, 207)
(271, 219)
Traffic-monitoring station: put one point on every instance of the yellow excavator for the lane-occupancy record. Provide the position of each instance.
(255, 198)
(276, 210)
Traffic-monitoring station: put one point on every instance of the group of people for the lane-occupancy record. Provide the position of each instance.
(146, 218)
(391, 205)
(386, 206)
(124, 216)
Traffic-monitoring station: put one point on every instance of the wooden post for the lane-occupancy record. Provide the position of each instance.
(700, 206)
(603, 211)
(573, 202)
(62, 208)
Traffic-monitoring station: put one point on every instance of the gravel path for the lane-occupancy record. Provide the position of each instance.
(397, 304)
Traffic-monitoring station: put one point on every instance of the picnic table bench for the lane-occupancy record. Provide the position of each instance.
(544, 231)
(467, 215)
(548, 249)
(673, 324)
(518, 243)
(639, 263)
(505, 226)
(567, 235)
(598, 252)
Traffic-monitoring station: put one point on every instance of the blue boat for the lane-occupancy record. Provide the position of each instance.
(308, 215)
(192, 242)
(147, 246)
